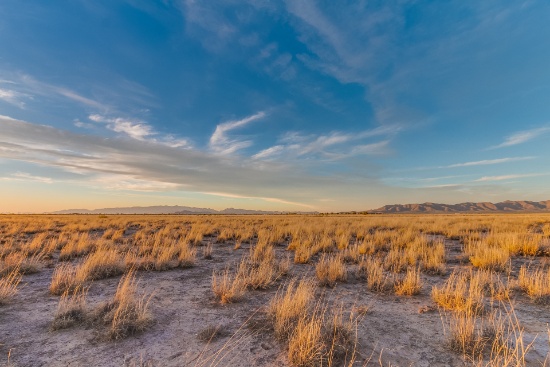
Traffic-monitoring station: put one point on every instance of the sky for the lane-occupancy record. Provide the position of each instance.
(295, 105)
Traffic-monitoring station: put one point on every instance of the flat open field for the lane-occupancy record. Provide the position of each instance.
(288, 290)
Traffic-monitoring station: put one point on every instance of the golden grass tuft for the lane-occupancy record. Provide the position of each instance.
(373, 270)
(305, 348)
(410, 284)
(207, 252)
(227, 287)
(8, 285)
(490, 258)
(330, 270)
(465, 336)
(495, 341)
(71, 309)
(259, 275)
(76, 247)
(323, 338)
(289, 305)
(461, 292)
(25, 264)
(102, 264)
(187, 255)
(536, 284)
(66, 277)
(127, 313)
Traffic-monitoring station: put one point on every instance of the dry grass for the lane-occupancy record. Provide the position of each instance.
(433, 259)
(8, 285)
(127, 313)
(465, 336)
(102, 264)
(71, 309)
(76, 247)
(211, 333)
(461, 292)
(259, 275)
(289, 305)
(227, 287)
(330, 270)
(323, 338)
(388, 253)
(26, 264)
(207, 252)
(490, 258)
(536, 283)
(377, 279)
(66, 277)
(187, 255)
(497, 340)
(410, 284)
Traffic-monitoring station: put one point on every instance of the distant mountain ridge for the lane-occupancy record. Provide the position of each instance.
(504, 206)
(164, 209)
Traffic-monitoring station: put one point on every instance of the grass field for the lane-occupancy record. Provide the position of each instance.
(281, 290)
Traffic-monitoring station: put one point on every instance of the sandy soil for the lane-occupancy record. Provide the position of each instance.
(393, 331)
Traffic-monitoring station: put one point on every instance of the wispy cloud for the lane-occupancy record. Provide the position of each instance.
(521, 137)
(23, 176)
(223, 144)
(36, 87)
(83, 125)
(272, 200)
(335, 145)
(135, 129)
(100, 98)
(509, 177)
(13, 97)
(121, 182)
(486, 162)
(151, 165)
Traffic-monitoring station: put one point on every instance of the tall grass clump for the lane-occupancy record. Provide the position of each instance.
(330, 270)
(496, 341)
(410, 284)
(490, 258)
(373, 270)
(67, 277)
(228, 287)
(71, 309)
(8, 285)
(290, 304)
(323, 338)
(187, 255)
(102, 264)
(461, 292)
(536, 284)
(127, 313)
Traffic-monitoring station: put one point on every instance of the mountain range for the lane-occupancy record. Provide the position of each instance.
(164, 209)
(469, 207)
(504, 206)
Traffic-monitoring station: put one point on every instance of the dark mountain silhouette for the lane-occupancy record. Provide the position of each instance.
(164, 209)
(504, 206)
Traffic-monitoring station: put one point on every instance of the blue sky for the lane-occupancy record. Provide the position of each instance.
(297, 105)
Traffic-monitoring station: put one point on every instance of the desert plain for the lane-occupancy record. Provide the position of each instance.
(275, 290)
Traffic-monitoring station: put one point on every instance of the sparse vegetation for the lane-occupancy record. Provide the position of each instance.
(71, 309)
(477, 267)
(8, 285)
(128, 312)
(228, 287)
(330, 270)
(410, 284)
(535, 283)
